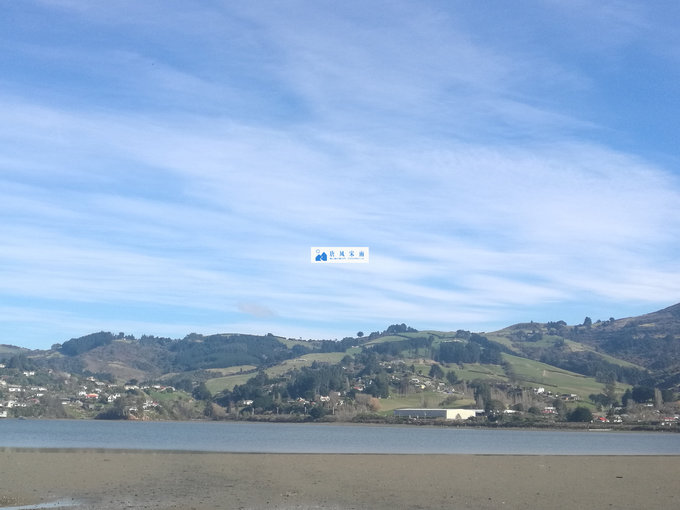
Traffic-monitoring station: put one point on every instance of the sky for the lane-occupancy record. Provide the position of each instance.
(165, 166)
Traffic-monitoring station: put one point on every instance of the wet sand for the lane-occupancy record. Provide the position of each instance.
(126, 479)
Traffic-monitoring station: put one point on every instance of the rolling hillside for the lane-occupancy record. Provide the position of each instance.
(594, 362)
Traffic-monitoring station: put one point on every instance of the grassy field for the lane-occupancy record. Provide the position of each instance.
(501, 339)
(530, 373)
(426, 399)
(420, 367)
(438, 334)
(384, 339)
(233, 370)
(472, 371)
(290, 343)
(548, 341)
(577, 346)
(228, 382)
(165, 396)
(551, 378)
(439, 337)
(305, 361)
(229, 377)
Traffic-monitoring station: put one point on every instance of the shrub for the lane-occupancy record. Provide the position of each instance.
(580, 414)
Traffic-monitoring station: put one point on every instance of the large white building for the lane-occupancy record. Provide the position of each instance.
(447, 414)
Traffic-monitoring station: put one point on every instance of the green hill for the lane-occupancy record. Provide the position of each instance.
(521, 366)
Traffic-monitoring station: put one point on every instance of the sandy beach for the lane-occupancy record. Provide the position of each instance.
(158, 480)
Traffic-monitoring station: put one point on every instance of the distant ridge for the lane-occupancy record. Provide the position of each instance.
(646, 347)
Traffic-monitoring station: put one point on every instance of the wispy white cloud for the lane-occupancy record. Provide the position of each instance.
(481, 195)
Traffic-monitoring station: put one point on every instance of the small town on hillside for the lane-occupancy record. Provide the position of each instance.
(39, 393)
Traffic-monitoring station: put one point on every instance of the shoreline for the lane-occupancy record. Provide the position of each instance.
(107, 479)
(160, 451)
(561, 427)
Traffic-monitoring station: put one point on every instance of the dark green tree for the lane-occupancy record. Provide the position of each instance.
(560, 406)
(580, 414)
(118, 411)
(603, 401)
(263, 403)
(436, 371)
(201, 392)
(379, 386)
(20, 362)
(482, 393)
(494, 408)
(317, 412)
(642, 394)
(668, 396)
(183, 384)
(208, 410)
(627, 397)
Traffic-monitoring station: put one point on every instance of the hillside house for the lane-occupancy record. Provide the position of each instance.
(149, 404)
(570, 397)
(669, 420)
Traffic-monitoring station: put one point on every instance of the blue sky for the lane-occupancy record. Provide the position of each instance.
(165, 166)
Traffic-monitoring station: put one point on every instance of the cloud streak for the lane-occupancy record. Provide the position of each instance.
(185, 195)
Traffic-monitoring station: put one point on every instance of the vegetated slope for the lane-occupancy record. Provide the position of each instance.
(216, 351)
(540, 342)
(651, 340)
(644, 349)
(631, 350)
(11, 350)
(128, 359)
(124, 357)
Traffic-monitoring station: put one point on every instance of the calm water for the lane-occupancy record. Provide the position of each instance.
(318, 438)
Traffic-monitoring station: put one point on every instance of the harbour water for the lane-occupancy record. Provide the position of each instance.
(326, 438)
